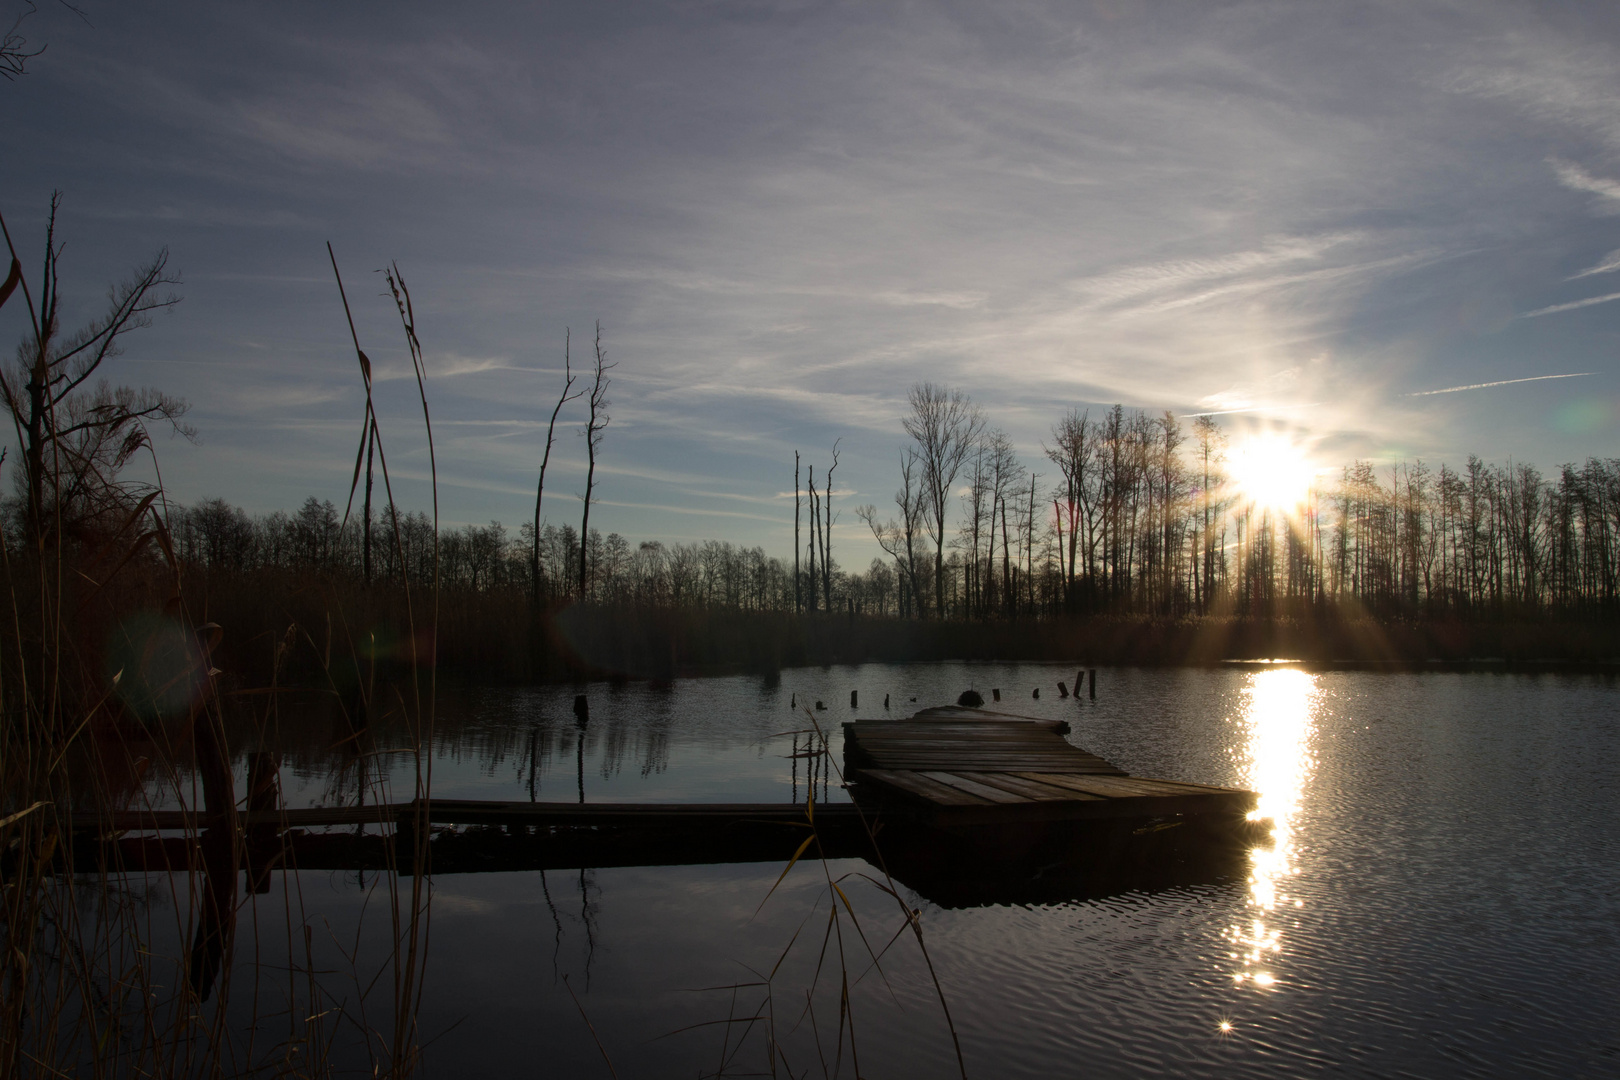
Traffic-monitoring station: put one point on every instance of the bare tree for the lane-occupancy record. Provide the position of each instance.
(899, 537)
(14, 49)
(815, 526)
(593, 438)
(1029, 537)
(826, 531)
(1004, 473)
(540, 488)
(946, 427)
(1074, 452)
(1170, 479)
(77, 434)
(1208, 440)
(972, 538)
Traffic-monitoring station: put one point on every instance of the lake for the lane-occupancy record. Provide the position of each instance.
(1442, 895)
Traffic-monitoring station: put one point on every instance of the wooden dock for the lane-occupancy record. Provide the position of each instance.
(969, 771)
(472, 836)
(966, 806)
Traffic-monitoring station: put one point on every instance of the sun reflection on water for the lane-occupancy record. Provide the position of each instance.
(1279, 722)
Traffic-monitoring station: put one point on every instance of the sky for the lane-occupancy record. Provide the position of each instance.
(1372, 228)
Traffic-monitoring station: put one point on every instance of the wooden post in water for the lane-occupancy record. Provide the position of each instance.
(1063, 691)
(534, 739)
(264, 794)
(1093, 684)
(582, 717)
(1037, 691)
(852, 699)
(220, 842)
(996, 693)
(885, 702)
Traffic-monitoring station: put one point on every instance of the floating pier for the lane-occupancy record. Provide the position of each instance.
(958, 771)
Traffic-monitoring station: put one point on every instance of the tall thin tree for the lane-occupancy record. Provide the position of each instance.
(826, 531)
(815, 527)
(540, 489)
(593, 438)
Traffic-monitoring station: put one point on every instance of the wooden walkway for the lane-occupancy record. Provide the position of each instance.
(1003, 771)
(944, 785)
(521, 815)
(477, 835)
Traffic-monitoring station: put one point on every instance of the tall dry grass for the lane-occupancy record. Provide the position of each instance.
(143, 955)
(842, 950)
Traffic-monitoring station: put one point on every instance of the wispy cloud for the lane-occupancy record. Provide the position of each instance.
(1571, 306)
(1609, 264)
(445, 366)
(1257, 409)
(1578, 179)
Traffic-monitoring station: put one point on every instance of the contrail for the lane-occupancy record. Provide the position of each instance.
(1499, 382)
(1588, 302)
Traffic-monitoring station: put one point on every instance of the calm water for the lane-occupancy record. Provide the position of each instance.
(1443, 896)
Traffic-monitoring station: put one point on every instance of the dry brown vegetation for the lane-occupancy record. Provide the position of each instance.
(111, 699)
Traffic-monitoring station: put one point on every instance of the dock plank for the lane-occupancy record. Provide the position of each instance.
(1074, 783)
(1005, 763)
(967, 746)
(983, 770)
(1110, 787)
(988, 792)
(930, 790)
(1033, 790)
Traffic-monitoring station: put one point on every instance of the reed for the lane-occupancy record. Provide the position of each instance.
(119, 690)
(764, 1013)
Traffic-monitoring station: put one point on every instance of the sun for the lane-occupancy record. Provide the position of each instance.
(1271, 472)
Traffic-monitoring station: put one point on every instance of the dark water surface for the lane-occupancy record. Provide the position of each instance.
(1441, 898)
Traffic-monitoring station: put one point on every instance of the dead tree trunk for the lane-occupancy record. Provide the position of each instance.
(826, 532)
(593, 438)
(815, 519)
(540, 489)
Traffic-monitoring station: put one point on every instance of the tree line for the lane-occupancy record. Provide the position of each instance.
(1136, 516)
(1139, 516)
